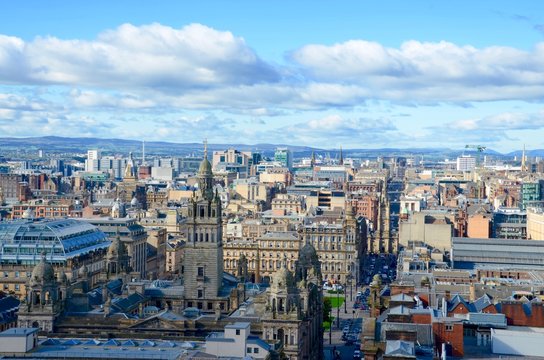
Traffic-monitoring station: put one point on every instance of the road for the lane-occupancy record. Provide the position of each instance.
(333, 339)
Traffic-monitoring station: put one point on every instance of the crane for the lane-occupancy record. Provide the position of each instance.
(480, 148)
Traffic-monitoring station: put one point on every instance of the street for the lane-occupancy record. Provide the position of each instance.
(353, 318)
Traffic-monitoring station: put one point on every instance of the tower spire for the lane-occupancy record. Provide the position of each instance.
(205, 148)
(341, 162)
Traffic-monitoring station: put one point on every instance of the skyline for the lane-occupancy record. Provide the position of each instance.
(357, 75)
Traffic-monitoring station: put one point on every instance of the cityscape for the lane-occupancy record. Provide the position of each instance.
(271, 180)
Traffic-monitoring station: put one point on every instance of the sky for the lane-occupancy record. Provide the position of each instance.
(356, 74)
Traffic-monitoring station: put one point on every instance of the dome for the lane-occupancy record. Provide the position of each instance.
(62, 278)
(43, 272)
(282, 277)
(83, 271)
(307, 252)
(376, 280)
(116, 248)
(205, 167)
(134, 202)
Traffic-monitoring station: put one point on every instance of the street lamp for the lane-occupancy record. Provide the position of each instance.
(337, 309)
(330, 326)
(345, 299)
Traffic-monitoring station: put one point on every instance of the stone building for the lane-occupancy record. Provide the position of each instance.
(68, 244)
(203, 257)
(43, 302)
(264, 255)
(340, 245)
(293, 313)
(132, 234)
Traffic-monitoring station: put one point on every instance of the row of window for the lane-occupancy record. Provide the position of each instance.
(17, 274)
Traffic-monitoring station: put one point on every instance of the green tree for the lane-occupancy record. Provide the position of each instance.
(327, 308)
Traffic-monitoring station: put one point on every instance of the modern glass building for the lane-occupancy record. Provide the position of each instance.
(23, 241)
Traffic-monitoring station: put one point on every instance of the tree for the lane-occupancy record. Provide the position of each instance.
(327, 308)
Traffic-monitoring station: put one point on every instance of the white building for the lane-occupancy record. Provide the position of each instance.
(236, 342)
(466, 163)
(18, 340)
(92, 162)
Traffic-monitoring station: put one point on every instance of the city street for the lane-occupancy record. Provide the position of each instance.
(353, 318)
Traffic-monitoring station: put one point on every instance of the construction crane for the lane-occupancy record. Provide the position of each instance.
(480, 148)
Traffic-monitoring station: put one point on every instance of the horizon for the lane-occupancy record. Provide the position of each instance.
(395, 75)
(314, 147)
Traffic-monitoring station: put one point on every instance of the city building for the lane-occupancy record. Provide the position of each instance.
(535, 224)
(92, 163)
(132, 234)
(203, 255)
(68, 244)
(340, 245)
(284, 156)
(237, 342)
(466, 163)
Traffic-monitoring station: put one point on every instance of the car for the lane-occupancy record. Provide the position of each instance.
(349, 341)
(357, 355)
(359, 293)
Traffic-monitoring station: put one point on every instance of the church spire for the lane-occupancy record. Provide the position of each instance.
(205, 175)
(341, 162)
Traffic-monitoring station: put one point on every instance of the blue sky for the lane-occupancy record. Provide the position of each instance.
(357, 74)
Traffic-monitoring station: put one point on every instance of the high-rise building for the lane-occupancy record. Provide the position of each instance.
(285, 157)
(466, 163)
(92, 162)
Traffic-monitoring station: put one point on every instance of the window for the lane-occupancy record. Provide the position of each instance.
(449, 327)
(200, 293)
(237, 331)
(248, 350)
(200, 271)
(255, 350)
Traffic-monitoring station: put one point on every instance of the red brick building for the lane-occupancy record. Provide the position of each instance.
(449, 331)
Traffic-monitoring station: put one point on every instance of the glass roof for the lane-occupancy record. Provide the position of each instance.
(24, 240)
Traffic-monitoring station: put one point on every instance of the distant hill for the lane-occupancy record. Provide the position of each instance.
(530, 153)
(118, 146)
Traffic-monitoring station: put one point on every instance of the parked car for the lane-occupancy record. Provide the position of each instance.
(357, 355)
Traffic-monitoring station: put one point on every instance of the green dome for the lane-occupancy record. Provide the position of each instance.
(205, 167)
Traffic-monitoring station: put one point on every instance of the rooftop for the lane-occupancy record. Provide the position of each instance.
(19, 332)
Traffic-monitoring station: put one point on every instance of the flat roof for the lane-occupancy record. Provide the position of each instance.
(238, 325)
(19, 332)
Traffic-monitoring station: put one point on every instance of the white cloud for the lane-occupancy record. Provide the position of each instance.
(423, 71)
(153, 56)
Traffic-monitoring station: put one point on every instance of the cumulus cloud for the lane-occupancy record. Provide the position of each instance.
(425, 71)
(154, 56)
